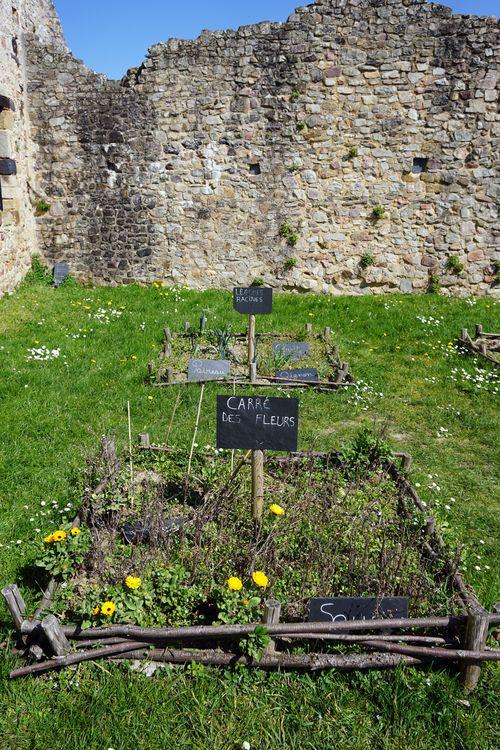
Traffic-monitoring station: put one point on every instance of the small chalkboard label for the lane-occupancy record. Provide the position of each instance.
(253, 300)
(308, 375)
(291, 349)
(61, 272)
(208, 369)
(345, 608)
(257, 423)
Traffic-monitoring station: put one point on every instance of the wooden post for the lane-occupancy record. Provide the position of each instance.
(405, 461)
(309, 327)
(203, 322)
(15, 604)
(476, 634)
(167, 349)
(328, 332)
(479, 330)
(167, 333)
(257, 486)
(272, 614)
(53, 631)
(253, 372)
(430, 526)
(187, 326)
(464, 334)
(251, 339)
(151, 368)
(144, 441)
(170, 375)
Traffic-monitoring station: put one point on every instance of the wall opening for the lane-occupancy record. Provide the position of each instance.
(419, 165)
(255, 168)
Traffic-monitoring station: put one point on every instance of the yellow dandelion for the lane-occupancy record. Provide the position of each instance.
(277, 510)
(260, 579)
(49, 539)
(133, 356)
(108, 609)
(132, 582)
(150, 398)
(95, 610)
(234, 583)
(75, 531)
(246, 602)
(59, 536)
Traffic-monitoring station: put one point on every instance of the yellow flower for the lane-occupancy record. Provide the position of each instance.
(246, 602)
(108, 609)
(75, 531)
(260, 579)
(59, 536)
(132, 582)
(134, 356)
(95, 610)
(277, 510)
(49, 539)
(234, 583)
(150, 398)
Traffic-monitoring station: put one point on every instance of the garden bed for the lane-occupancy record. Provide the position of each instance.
(222, 344)
(486, 345)
(164, 558)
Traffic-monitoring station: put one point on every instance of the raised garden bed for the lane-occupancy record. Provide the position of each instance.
(167, 560)
(319, 366)
(486, 345)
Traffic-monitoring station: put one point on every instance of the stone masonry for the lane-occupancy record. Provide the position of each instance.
(364, 130)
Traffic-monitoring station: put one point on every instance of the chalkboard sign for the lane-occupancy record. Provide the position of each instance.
(208, 369)
(257, 423)
(307, 374)
(61, 272)
(344, 608)
(253, 300)
(291, 349)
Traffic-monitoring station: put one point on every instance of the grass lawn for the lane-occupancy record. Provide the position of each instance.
(431, 399)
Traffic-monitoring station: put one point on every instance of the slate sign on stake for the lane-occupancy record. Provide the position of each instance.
(308, 375)
(257, 423)
(344, 608)
(291, 349)
(61, 271)
(254, 300)
(208, 369)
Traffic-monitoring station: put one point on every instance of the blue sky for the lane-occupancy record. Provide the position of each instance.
(111, 36)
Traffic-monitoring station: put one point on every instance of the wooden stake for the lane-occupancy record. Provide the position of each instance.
(144, 440)
(309, 327)
(253, 372)
(130, 442)
(272, 613)
(195, 433)
(476, 634)
(251, 339)
(15, 604)
(257, 486)
(58, 642)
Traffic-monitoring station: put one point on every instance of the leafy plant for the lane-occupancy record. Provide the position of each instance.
(42, 207)
(293, 168)
(256, 643)
(301, 126)
(353, 152)
(453, 264)
(290, 263)
(38, 274)
(258, 281)
(294, 96)
(433, 285)
(222, 339)
(288, 233)
(235, 606)
(366, 449)
(496, 266)
(63, 551)
(269, 365)
(366, 261)
(378, 212)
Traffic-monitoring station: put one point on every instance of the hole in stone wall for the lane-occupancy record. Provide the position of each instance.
(1, 197)
(255, 168)
(419, 165)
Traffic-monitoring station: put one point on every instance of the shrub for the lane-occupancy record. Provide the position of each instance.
(453, 264)
(38, 274)
(433, 285)
(290, 263)
(42, 207)
(366, 261)
(378, 212)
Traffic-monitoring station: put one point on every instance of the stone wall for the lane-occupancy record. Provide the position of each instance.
(17, 181)
(188, 168)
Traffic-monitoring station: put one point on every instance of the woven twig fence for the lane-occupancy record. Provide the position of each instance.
(486, 345)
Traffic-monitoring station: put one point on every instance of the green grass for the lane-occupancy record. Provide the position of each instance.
(53, 415)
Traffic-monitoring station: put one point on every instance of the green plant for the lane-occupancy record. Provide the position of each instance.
(496, 266)
(63, 551)
(258, 281)
(378, 212)
(353, 152)
(293, 168)
(496, 280)
(235, 606)
(269, 365)
(290, 263)
(288, 233)
(42, 207)
(256, 643)
(433, 285)
(38, 273)
(453, 264)
(366, 261)
(301, 126)
(222, 339)
(294, 96)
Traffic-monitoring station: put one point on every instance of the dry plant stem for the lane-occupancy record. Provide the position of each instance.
(173, 415)
(195, 433)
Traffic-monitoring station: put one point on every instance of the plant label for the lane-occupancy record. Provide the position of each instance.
(291, 349)
(308, 375)
(208, 369)
(345, 608)
(253, 300)
(257, 423)
(61, 271)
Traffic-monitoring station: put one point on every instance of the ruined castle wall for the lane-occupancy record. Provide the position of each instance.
(18, 240)
(187, 169)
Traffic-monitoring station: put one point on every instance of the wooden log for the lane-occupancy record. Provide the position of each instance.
(76, 658)
(251, 339)
(144, 440)
(360, 639)
(167, 334)
(59, 644)
(479, 330)
(257, 486)
(46, 601)
(464, 335)
(253, 372)
(167, 349)
(15, 604)
(422, 652)
(476, 634)
(170, 375)
(272, 614)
